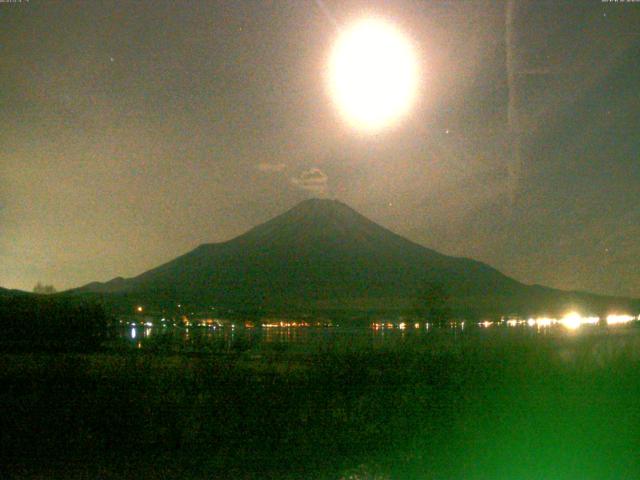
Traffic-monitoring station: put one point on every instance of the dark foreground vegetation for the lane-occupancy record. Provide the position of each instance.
(477, 408)
(51, 323)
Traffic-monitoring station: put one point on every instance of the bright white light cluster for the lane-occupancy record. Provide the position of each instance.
(574, 320)
(542, 322)
(571, 321)
(619, 319)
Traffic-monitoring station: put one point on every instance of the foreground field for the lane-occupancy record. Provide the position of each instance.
(494, 408)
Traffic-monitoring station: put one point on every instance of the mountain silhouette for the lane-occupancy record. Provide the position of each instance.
(323, 254)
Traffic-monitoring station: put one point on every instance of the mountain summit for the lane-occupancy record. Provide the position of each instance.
(323, 254)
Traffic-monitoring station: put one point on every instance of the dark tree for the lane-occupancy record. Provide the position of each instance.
(44, 289)
(33, 322)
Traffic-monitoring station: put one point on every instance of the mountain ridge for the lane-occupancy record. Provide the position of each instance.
(322, 252)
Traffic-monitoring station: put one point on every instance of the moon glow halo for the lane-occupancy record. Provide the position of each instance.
(373, 74)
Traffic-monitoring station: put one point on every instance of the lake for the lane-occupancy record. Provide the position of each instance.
(382, 333)
(587, 342)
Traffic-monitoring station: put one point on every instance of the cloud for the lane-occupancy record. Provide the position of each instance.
(271, 167)
(313, 180)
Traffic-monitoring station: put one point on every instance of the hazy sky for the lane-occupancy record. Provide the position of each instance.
(133, 131)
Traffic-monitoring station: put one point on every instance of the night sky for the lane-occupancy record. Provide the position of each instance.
(134, 131)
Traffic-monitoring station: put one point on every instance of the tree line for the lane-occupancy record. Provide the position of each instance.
(34, 322)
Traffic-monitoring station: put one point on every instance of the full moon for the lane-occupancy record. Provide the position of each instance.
(372, 74)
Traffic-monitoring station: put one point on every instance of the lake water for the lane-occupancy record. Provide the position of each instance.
(606, 338)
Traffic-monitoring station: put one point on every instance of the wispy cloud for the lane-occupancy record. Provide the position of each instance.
(313, 180)
(271, 167)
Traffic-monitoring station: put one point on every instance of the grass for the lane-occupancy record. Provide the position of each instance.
(499, 407)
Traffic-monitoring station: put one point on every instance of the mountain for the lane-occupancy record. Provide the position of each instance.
(322, 254)
(6, 293)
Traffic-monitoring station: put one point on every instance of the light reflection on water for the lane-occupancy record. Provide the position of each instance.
(382, 333)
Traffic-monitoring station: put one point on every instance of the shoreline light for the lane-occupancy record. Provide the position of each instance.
(619, 319)
(574, 320)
